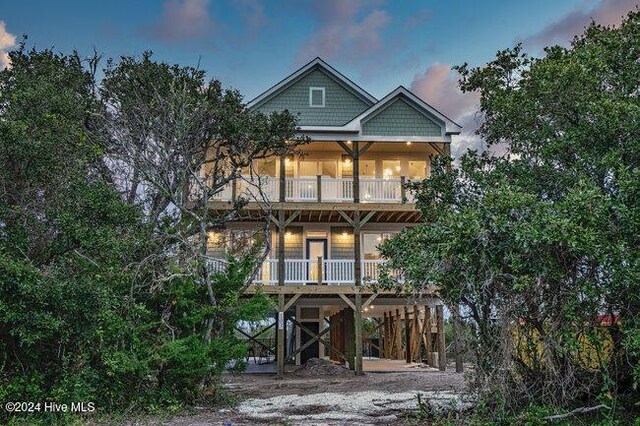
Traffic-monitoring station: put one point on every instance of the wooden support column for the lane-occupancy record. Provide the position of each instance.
(281, 222)
(357, 316)
(398, 333)
(349, 338)
(280, 327)
(385, 331)
(280, 336)
(457, 330)
(428, 339)
(415, 335)
(407, 335)
(356, 171)
(442, 360)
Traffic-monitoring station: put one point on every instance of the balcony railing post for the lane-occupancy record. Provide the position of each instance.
(319, 270)
(319, 188)
(403, 190)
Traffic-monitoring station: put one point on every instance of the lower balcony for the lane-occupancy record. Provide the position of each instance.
(318, 189)
(312, 272)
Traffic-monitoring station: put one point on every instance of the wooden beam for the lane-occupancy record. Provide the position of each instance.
(369, 300)
(259, 207)
(415, 335)
(357, 264)
(314, 338)
(356, 173)
(407, 335)
(347, 301)
(282, 178)
(280, 336)
(330, 290)
(385, 346)
(426, 329)
(291, 218)
(364, 149)
(291, 302)
(253, 338)
(442, 360)
(435, 146)
(357, 316)
(367, 217)
(346, 148)
(398, 335)
(345, 217)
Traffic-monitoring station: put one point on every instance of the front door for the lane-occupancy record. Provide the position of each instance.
(316, 248)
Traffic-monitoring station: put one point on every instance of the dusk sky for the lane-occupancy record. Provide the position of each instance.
(252, 44)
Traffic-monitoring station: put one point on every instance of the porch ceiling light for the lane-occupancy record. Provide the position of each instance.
(408, 142)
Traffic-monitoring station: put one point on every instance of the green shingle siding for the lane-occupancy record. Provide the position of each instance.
(341, 105)
(341, 246)
(292, 243)
(400, 119)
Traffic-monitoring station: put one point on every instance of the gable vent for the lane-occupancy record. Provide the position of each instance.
(316, 97)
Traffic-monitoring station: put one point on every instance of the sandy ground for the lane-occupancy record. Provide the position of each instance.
(306, 399)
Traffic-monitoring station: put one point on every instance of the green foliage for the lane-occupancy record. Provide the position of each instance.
(535, 244)
(95, 305)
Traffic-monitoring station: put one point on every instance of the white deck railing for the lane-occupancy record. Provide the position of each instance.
(313, 189)
(307, 271)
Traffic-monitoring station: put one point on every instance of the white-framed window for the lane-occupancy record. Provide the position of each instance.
(316, 97)
(370, 242)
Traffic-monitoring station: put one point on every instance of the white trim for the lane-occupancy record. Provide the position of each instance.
(311, 90)
(320, 136)
(300, 72)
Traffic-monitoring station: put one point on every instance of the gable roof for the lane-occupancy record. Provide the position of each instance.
(314, 64)
(451, 127)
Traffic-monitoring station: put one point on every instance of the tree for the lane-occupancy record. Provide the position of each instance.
(540, 245)
(175, 142)
(105, 293)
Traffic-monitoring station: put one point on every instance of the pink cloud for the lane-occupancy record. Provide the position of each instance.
(183, 20)
(347, 30)
(7, 41)
(606, 12)
(438, 86)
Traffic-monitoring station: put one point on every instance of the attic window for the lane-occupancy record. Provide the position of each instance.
(316, 97)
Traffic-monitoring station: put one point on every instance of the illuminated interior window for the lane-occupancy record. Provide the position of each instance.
(391, 169)
(417, 170)
(308, 168)
(266, 167)
(368, 168)
(370, 243)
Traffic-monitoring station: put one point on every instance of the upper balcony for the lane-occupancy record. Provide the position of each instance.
(318, 189)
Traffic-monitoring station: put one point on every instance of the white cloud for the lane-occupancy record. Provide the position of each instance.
(7, 41)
